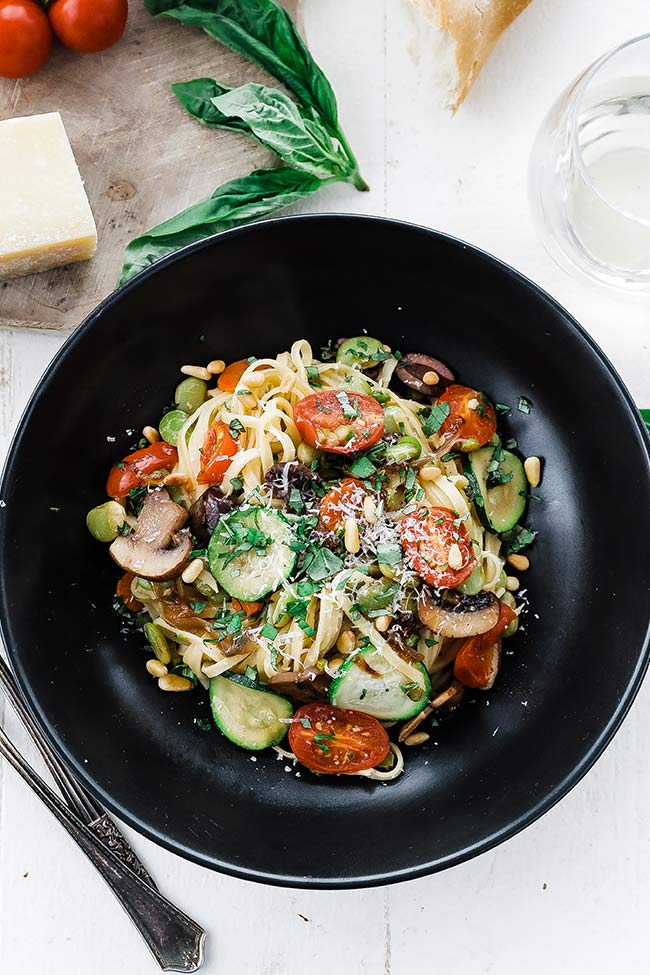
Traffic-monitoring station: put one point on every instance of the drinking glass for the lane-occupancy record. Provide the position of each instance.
(589, 174)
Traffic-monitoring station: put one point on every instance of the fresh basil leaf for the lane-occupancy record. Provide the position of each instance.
(645, 416)
(362, 467)
(516, 539)
(239, 201)
(264, 33)
(275, 120)
(196, 98)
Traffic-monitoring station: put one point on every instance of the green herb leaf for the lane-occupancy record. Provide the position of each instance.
(305, 722)
(322, 563)
(389, 553)
(524, 405)
(236, 483)
(516, 539)
(268, 631)
(237, 202)
(264, 33)
(362, 467)
(198, 607)
(236, 428)
(645, 415)
(196, 97)
(435, 419)
(277, 122)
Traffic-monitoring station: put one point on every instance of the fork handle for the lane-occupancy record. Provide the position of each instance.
(173, 938)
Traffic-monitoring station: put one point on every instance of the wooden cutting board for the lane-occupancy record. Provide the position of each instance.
(142, 157)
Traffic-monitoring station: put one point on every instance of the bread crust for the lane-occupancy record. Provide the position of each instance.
(474, 27)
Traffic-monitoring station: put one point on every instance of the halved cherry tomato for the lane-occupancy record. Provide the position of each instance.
(25, 38)
(133, 470)
(344, 500)
(123, 590)
(479, 423)
(231, 375)
(219, 449)
(339, 421)
(477, 661)
(88, 25)
(251, 609)
(427, 536)
(336, 741)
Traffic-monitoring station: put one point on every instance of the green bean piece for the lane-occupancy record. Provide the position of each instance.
(104, 521)
(363, 352)
(170, 425)
(512, 627)
(158, 642)
(190, 394)
(406, 448)
(474, 583)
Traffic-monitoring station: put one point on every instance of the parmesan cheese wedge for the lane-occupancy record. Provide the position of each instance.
(45, 217)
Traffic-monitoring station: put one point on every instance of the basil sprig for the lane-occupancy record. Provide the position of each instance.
(305, 134)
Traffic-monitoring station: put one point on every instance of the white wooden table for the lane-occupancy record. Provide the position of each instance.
(570, 894)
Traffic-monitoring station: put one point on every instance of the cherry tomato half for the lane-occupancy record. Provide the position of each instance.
(219, 449)
(427, 536)
(88, 25)
(123, 590)
(133, 470)
(231, 375)
(339, 421)
(337, 741)
(251, 609)
(25, 38)
(344, 500)
(479, 422)
(477, 661)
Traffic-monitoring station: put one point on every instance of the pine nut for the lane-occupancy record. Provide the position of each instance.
(512, 583)
(518, 562)
(386, 348)
(199, 372)
(174, 682)
(383, 622)
(431, 378)
(335, 663)
(346, 642)
(156, 668)
(351, 536)
(430, 472)
(533, 468)
(150, 434)
(216, 367)
(192, 572)
(455, 557)
(370, 509)
(418, 738)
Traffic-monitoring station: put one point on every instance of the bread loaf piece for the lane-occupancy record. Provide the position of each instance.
(470, 29)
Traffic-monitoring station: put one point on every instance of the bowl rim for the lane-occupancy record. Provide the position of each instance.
(562, 788)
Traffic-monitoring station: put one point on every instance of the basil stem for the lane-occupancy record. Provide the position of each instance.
(239, 201)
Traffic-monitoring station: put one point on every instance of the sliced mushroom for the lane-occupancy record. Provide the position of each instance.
(414, 366)
(206, 512)
(282, 478)
(307, 685)
(157, 549)
(451, 613)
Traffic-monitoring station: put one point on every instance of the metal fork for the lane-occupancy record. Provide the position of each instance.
(174, 939)
(80, 801)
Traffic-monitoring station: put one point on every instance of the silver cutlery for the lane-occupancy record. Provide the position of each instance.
(174, 939)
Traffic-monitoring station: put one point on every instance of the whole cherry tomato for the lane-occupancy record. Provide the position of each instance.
(219, 448)
(471, 420)
(337, 741)
(427, 537)
(344, 500)
(338, 421)
(88, 25)
(132, 471)
(25, 38)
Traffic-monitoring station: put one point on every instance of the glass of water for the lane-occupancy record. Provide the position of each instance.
(589, 176)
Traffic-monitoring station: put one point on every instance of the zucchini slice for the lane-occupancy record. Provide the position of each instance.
(250, 554)
(499, 507)
(368, 682)
(247, 714)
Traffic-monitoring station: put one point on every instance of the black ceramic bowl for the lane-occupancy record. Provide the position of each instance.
(572, 673)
